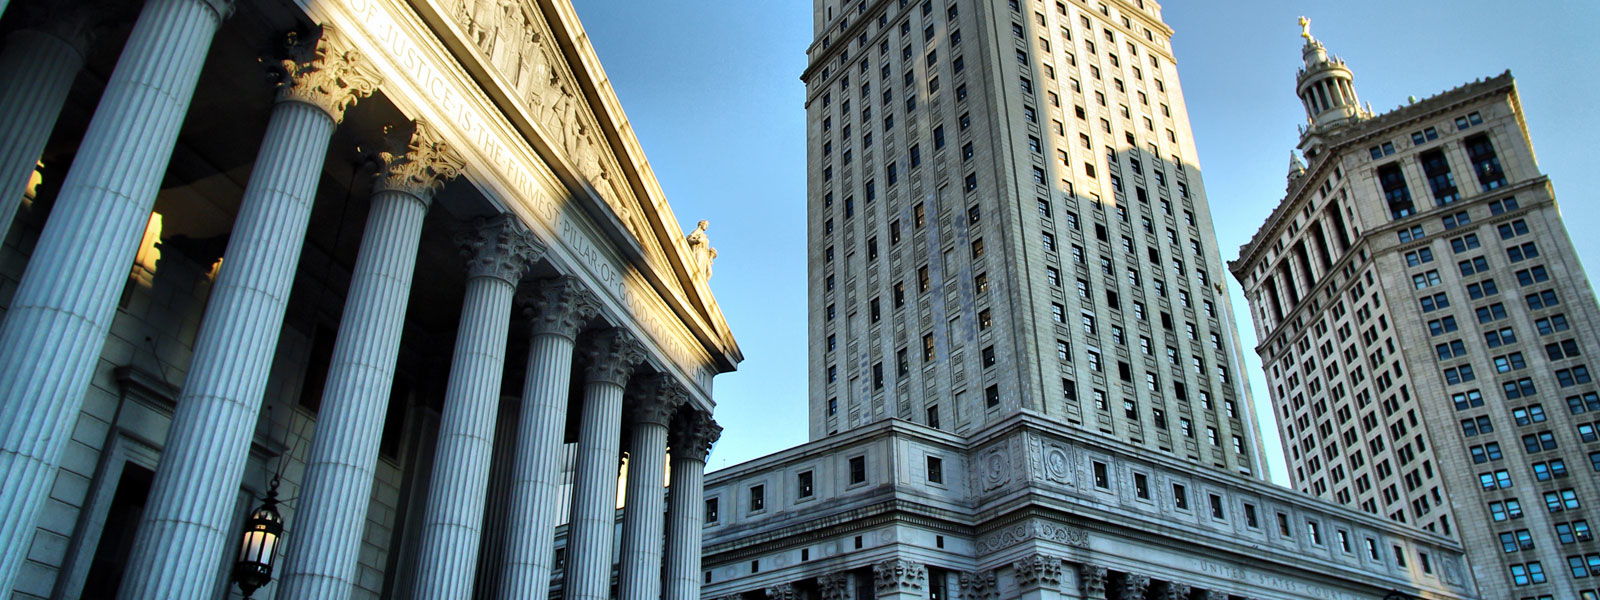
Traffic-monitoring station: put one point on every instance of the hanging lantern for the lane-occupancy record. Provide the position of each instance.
(256, 550)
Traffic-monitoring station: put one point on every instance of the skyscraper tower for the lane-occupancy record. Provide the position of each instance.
(1425, 326)
(1006, 215)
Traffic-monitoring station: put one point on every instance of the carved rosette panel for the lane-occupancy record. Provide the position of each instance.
(560, 306)
(612, 355)
(898, 575)
(1092, 581)
(1038, 571)
(500, 247)
(834, 586)
(1133, 587)
(654, 399)
(418, 164)
(692, 434)
(320, 69)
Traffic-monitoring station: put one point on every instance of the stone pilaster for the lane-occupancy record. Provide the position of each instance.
(612, 357)
(650, 410)
(1133, 587)
(899, 579)
(1176, 591)
(835, 586)
(38, 66)
(690, 439)
(1092, 581)
(558, 310)
(62, 309)
(499, 251)
(187, 520)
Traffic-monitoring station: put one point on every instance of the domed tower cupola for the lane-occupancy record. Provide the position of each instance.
(1325, 86)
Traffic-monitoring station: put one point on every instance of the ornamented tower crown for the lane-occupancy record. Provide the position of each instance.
(1327, 91)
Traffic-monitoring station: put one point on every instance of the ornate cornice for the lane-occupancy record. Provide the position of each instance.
(419, 164)
(1038, 571)
(613, 355)
(654, 400)
(499, 247)
(1092, 581)
(897, 575)
(320, 69)
(561, 306)
(692, 434)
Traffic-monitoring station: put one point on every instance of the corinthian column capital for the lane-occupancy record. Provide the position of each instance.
(692, 434)
(499, 247)
(320, 69)
(561, 306)
(1178, 591)
(419, 164)
(655, 399)
(1038, 571)
(613, 355)
(1092, 578)
(834, 586)
(1133, 587)
(898, 575)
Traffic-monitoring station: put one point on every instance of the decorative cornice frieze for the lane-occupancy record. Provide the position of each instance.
(1133, 587)
(692, 434)
(613, 355)
(499, 247)
(418, 164)
(1092, 581)
(1031, 529)
(897, 575)
(834, 586)
(654, 400)
(319, 68)
(1038, 571)
(561, 306)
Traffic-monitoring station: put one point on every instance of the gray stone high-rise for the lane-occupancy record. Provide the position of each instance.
(1024, 378)
(1426, 327)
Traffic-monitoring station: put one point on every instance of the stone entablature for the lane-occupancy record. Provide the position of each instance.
(1026, 484)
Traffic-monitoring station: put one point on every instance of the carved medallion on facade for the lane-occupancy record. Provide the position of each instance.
(995, 467)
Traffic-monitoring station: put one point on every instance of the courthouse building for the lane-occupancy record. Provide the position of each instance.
(1426, 327)
(389, 259)
(1024, 375)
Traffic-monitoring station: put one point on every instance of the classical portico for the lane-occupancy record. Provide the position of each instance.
(401, 279)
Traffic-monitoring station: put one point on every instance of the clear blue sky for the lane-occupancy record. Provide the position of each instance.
(712, 88)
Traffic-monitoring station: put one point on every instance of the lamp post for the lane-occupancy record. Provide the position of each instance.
(256, 550)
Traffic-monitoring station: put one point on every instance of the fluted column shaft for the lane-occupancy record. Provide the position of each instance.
(593, 521)
(58, 319)
(639, 576)
(450, 528)
(691, 437)
(186, 520)
(560, 309)
(38, 68)
(185, 530)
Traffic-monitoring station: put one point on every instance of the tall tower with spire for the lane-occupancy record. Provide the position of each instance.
(1327, 90)
(1425, 329)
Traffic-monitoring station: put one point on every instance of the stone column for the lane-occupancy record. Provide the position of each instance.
(899, 579)
(1133, 587)
(650, 411)
(832, 586)
(558, 310)
(325, 544)
(502, 251)
(612, 358)
(1092, 579)
(1039, 576)
(690, 439)
(38, 66)
(187, 520)
(58, 319)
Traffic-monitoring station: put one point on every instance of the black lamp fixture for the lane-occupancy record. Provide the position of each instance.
(261, 534)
